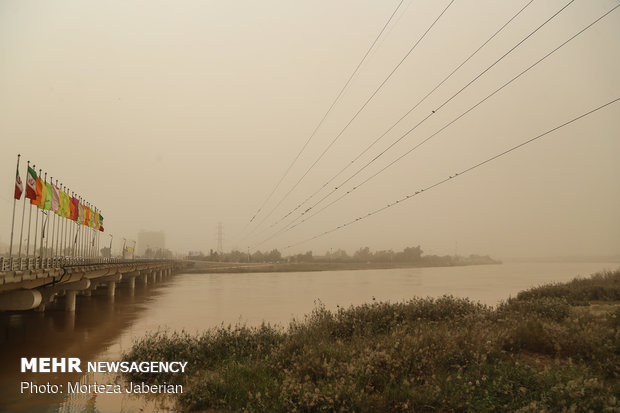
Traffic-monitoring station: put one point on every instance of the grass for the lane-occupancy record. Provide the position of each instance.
(537, 352)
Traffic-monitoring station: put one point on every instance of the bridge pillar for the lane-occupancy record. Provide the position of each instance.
(111, 288)
(132, 283)
(144, 278)
(70, 301)
(153, 276)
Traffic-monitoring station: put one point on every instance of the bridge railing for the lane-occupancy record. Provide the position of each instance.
(38, 263)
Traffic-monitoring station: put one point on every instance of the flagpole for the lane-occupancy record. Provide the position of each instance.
(64, 225)
(83, 233)
(13, 221)
(36, 228)
(53, 252)
(21, 231)
(57, 250)
(71, 227)
(34, 167)
(47, 221)
(81, 240)
(90, 233)
(78, 232)
(43, 226)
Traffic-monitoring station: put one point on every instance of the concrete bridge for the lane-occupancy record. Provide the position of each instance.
(30, 283)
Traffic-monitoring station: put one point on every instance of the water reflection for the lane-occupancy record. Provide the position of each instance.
(86, 333)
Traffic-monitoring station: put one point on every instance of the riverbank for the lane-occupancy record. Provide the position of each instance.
(545, 349)
(206, 267)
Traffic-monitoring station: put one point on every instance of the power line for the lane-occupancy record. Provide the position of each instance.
(357, 113)
(463, 172)
(398, 121)
(293, 225)
(327, 112)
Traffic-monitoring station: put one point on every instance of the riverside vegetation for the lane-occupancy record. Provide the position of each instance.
(545, 350)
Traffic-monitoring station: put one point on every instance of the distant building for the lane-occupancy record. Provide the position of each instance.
(153, 240)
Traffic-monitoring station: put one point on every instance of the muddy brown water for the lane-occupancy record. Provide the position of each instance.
(101, 328)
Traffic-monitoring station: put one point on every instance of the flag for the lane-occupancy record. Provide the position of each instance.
(80, 212)
(67, 206)
(37, 200)
(48, 196)
(74, 208)
(96, 225)
(55, 204)
(19, 187)
(31, 185)
(86, 213)
(62, 203)
(43, 194)
(101, 228)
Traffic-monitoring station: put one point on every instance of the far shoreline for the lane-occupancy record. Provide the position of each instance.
(205, 267)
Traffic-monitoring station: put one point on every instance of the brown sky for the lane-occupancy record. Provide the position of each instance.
(175, 116)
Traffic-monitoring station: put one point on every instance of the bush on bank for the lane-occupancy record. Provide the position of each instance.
(537, 352)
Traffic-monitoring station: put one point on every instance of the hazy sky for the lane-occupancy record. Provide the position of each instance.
(177, 115)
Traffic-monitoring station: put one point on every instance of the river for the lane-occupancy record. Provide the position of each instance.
(102, 328)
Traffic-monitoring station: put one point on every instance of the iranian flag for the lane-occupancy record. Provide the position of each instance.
(19, 186)
(31, 184)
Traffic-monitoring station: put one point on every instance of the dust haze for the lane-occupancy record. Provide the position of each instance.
(175, 116)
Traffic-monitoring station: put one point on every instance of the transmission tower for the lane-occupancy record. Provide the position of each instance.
(220, 239)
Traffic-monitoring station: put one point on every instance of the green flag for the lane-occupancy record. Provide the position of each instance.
(48, 196)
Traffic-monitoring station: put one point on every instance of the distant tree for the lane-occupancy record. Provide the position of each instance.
(307, 257)
(362, 254)
(383, 256)
(258, 257)
(273, 256)
(410, 254)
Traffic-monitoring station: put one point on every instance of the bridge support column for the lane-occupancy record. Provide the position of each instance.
(70, 301)
(132, 283)
(145, 279)
(153, 276)
(111, 288)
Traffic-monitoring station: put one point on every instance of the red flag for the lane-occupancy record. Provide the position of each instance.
(73, 208)
(19, 187)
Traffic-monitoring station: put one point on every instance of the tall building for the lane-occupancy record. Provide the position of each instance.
(153, 240)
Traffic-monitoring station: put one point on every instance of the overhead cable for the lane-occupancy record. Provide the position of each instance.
(328, 111)
(293, 225)
(458, 174)
(355, 116)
